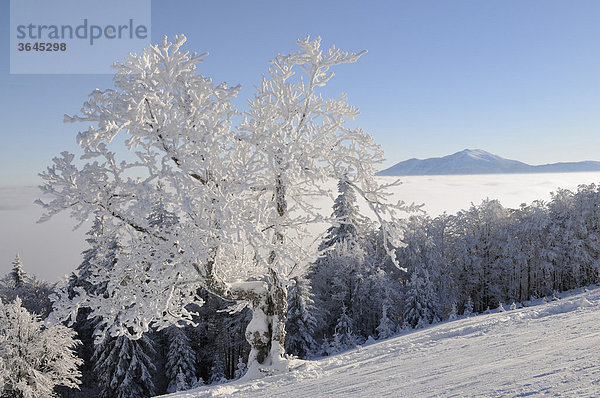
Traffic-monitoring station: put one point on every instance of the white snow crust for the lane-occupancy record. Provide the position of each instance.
(548, 349)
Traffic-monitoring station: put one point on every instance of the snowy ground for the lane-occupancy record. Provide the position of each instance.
(545, 350)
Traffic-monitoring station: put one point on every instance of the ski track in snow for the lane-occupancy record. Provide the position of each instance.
(545, 350)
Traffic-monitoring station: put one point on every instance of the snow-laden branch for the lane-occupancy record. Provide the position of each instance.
(195, 204)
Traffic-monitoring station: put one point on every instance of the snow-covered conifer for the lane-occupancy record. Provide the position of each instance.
(33, 293)
(453, 312)
(217, 371)
(240, 369)
(468, 311)
(300, 322)
(180, 368)
(346, 216)
(344, 336)
(125, 367)
(420, 300)
(17, 275)
(335, 278)
(385, 328)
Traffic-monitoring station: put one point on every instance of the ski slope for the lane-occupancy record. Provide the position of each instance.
(548, 349)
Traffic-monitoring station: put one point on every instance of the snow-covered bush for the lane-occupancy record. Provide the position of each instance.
(34, 359)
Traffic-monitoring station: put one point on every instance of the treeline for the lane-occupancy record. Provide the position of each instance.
(454, 264)
(465, 263)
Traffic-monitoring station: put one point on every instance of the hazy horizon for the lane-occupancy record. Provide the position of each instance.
(52, 249)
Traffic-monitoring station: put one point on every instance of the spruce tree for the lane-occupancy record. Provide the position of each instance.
(121, 367)
(453, 312)
(180, 368)
(17, 275)
(217, 371)
(240, 369)
(300, 322)
(346, 215)
(102, 254)
(386, 326)
(468, 311)
(33, 293)
(344, 336)
(420, 300)
(124, 367)
(350, 271)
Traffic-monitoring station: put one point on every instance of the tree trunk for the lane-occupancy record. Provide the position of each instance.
(266, 331)
(268, 297)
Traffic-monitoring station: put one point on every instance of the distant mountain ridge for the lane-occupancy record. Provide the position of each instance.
(477, 161)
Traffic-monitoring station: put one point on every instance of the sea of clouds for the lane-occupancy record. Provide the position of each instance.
(53, 249)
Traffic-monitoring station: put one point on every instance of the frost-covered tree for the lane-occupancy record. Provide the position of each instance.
(350, 272)
(468, 310)
(217, 371)
(347, 276)
(243, 197)
(424, 251)
(17, 275)
(335, 278)
(531, 252)
(300, 322)
(240, 369)
(574, 237)
(342, 257)
(33, 293)
(344, 336)
(180, 368)
(124, 367)
(101, 255)
(287, 113)
(35, 359)
(482, 264)
(348, 220)
(420, 300)
(453, 313)
(386, 327)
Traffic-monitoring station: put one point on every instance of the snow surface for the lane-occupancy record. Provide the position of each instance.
(544, 350)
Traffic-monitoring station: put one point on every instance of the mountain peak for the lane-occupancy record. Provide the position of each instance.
(475, 152)
(478, 161)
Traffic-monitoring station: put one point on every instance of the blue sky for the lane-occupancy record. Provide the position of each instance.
(516, 78)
